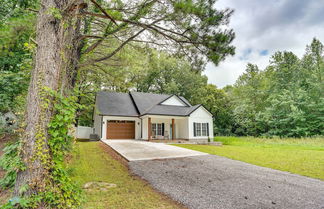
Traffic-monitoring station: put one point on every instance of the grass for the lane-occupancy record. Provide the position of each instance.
(299, 156)
(91, 162)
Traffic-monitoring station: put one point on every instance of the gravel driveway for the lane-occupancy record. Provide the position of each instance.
(216, 182)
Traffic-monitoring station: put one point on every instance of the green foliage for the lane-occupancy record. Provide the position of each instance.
(15, 60)
(15, 37)
(11, 163)
(286, 99)
(11, 86)
(207, 18)
(61, 192)
(218, 103)
(17, 202)
(14, 8)
(60, 141)
(192, 29)
(55, 12)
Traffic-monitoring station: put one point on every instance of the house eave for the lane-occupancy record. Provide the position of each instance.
(133, 116)
(164, 115)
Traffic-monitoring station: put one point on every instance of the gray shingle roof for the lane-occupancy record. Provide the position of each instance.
(171, 110)
(138, 103)
(113, 103)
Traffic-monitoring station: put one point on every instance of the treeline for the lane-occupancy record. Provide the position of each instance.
(285, 99)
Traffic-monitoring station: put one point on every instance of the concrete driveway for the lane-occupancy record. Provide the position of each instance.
(209, 181)
(134, 150)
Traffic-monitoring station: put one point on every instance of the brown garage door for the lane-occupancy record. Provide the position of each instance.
(121, 130)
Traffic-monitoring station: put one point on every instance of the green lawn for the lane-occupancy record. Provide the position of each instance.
(92, 163)
(300, 156)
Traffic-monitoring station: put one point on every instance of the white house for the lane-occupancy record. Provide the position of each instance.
(148, 116)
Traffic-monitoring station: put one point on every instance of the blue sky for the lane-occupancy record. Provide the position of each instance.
(263, 27)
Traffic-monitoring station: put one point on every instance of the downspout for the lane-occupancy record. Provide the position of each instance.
(101, 127)
(141, 128)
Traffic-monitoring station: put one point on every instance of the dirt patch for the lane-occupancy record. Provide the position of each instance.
(98, 185)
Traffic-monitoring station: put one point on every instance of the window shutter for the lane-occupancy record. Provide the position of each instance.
(162, 129)
(207, 129)
(194, 124)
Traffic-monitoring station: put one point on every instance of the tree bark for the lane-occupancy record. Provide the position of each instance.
(56, 59)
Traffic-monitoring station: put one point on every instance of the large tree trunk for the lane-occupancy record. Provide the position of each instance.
(55, 61)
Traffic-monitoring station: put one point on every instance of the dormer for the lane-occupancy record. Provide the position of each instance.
(174, 100)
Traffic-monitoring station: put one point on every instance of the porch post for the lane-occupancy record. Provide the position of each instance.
(149, 129)
(173, 129)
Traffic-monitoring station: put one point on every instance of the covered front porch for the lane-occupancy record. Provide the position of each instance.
(160, 127)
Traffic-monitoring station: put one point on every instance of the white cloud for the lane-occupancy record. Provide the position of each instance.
(272, 25)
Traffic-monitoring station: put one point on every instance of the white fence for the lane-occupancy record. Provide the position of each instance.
(83, 132)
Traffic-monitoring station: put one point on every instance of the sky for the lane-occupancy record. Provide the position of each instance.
(263, 27)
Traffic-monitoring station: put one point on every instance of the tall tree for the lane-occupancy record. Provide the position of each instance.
(56, 56)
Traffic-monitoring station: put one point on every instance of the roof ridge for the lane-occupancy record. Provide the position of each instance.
(149, 93)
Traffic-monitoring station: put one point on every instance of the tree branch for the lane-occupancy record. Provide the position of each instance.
(103, 11)
(152, 27)
(90, 36)
(114, 52)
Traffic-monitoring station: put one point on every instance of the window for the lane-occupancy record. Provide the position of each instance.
(198, 128)
(204, 129)
(201, 129)
(157, 129)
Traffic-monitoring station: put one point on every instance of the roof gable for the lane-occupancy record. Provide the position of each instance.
(174, 100)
